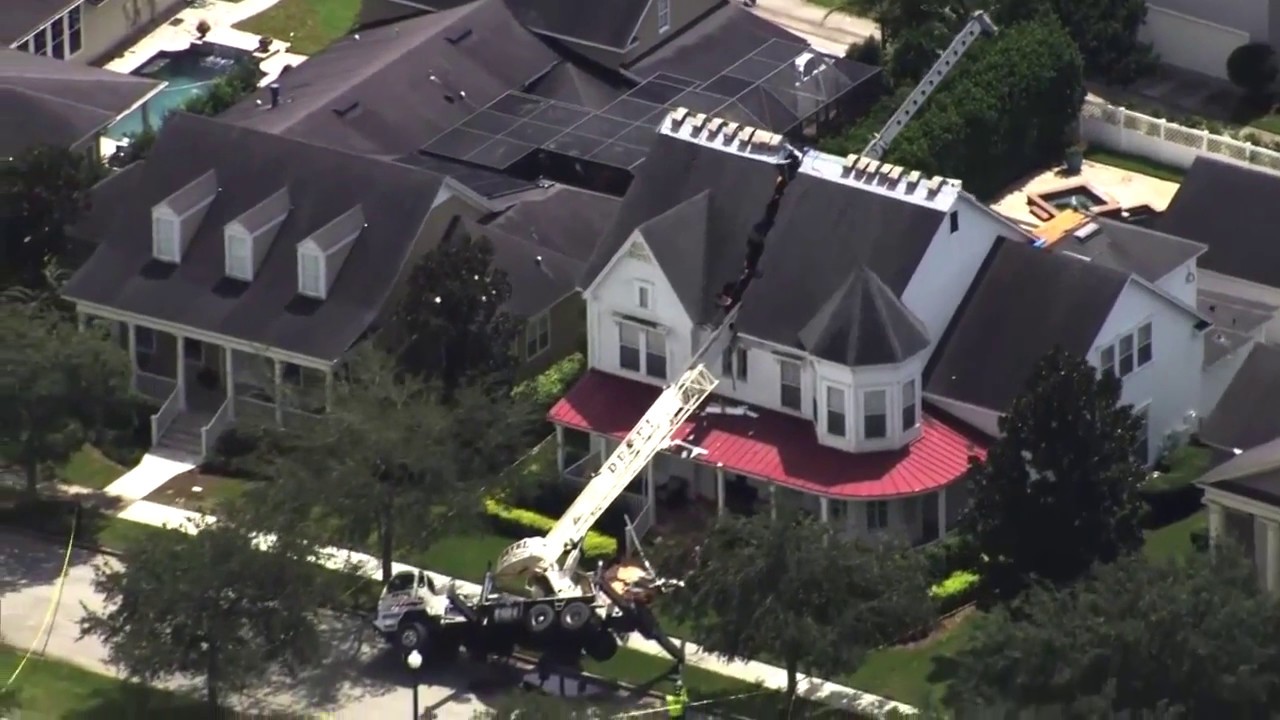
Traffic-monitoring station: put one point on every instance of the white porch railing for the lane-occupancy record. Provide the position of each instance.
(168, 411)
(209, 433)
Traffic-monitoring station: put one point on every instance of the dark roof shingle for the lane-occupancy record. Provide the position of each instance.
(607, 24)
(712, 45)
(1023, 302)
(21, 17)
(1245, 415)
(564, 219)
(250, 166)
(864, 323)
(1149, 254)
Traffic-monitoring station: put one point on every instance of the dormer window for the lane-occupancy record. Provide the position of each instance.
(165, 245)
(249, 236)
(175, 219)
(311, 273)
(239, 250)
(320, 256)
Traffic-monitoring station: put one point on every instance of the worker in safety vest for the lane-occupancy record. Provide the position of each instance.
(677, 702)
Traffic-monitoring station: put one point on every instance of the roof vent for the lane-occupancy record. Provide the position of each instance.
(730, 132)
(696, 122)
(713, 126)
(1086, 231)
(678, 116)
(458, 37)
(745, 135)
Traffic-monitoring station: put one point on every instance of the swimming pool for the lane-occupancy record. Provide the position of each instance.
(190, 74)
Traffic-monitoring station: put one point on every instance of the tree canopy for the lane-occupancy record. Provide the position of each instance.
(799, 591)
(210, 605)
(1188, 638)
(42, 191)
(1058, 491)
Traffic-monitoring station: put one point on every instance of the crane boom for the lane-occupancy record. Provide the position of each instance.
(979, 24)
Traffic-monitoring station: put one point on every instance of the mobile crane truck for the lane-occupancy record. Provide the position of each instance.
(568, 611)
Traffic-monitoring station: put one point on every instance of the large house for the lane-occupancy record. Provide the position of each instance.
(230, 263)
(888, 321)
(1199, 36)
(81, 31)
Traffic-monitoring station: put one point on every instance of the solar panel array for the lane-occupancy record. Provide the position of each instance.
(774, 88)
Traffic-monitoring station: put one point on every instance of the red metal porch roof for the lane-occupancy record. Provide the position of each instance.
(779, 447)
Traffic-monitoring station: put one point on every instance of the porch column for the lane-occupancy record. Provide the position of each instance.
(182, 370)
(650, 494)
(824, 509)
(1273, 556)
(82, 321)
(277, 383)
(942, 513)
(560, 448)
(773, 501)
(719, 489)
(1216, 523)
(133, 358)
(229, 380)
(328, 390)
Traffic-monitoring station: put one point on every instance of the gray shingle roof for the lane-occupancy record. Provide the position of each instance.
(21, 17)
(864, 323)
(608, 24)
(1149, 254)
(564, 219)
(251, 166)
(1245, 415)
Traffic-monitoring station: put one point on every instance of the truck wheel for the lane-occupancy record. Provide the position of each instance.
(602, 646)
(540, 618)
(575, 615)
(411, 636)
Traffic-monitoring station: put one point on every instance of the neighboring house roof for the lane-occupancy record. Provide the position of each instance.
(864, 323)
(389, 90)
(713, 44)
(1022, 303)
(564, 219)
(58, 102)
(1149, 254)
(1254, 474)
(607, 24)
(1232, 209)
(21, 17)
(579, 86)
(777, 447)
(108, 196)
(1245, 416)
(698, 257)
(251, 166)
(539, 276)
(827, 232)
(1234, 319)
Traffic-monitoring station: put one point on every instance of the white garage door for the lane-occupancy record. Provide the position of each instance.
(1191, 43)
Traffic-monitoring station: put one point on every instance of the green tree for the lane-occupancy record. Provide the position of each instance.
(797, 590)
(389, 463)
(226, 91)
(56, 384)
(42, 191)
(1192, 637)
(451, 320)
(1105, 31)
(212, 605)
(1058, 491)
(1253, 68)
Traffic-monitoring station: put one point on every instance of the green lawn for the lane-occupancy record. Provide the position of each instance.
(90, 468)
(1186, 465)
(1174, 540)
(308, 25)
(1136, 164)
(914, 674)
(1267, 123)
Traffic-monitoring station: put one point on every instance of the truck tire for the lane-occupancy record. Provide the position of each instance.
(411, 636)
(601, 646)
(575, 615)
(540, 618)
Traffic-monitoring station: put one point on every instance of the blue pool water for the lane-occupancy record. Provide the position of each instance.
(190, 74)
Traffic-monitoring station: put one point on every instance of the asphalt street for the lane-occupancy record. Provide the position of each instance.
(360, 678)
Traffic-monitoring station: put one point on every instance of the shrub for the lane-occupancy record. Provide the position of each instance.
(125, 435)
(1252, 67)
(867, 52)
(552, 384)
(551, 497)
(517, 522)
(950, 555)
(958, 590)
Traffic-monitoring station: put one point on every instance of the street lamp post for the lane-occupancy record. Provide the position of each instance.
(414, 661)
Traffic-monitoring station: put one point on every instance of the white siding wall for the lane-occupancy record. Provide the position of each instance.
(1177, 284)
(1199, 44)
(949, 266)
(1170, 382)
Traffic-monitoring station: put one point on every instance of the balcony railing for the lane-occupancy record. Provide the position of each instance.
(168, 411)
(210, 433)
(581, 471)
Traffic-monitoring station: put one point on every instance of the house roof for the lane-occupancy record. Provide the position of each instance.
(482, 181)
(1022, 303)
(607, 24)
(21, 17)
(1254, 474)
(777, 447)
(864, 323)
(1232, 209)
(825, 233)
(713, 44)
(539, 276)
(388, 90)
(251, 166)
(1235, 320)
(30, 119)
(577, 85)
(1149, 254)
(566, 220)
(1245, 416)
(698, 258)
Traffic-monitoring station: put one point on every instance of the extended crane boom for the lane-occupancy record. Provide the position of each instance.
(979, 24)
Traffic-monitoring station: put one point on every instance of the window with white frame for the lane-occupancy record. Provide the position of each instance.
(875, 414)
(877, 515)
(734, 362)
(837, 416)
(644, 295)
(310, 274)
(164, 238)
(239, 257)
(61, 38)
(537, 335)
(789, 371)
(664, 15)
(910, 418)
(1128, 353)
(642, 350)
(1141, 448)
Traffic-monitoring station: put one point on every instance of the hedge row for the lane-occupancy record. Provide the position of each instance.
(958, 590)
(517, 522)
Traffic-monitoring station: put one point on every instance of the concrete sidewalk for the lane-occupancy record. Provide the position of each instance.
(749, 671)
(153, 471)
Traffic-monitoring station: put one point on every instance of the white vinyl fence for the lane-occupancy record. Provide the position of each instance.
(1126, 131)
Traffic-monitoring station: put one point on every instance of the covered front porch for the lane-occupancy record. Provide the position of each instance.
(204, 385)
(1251, 525)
